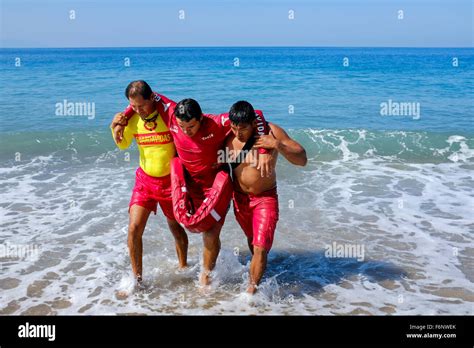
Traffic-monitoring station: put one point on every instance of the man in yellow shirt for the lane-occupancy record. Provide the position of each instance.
(152, 182)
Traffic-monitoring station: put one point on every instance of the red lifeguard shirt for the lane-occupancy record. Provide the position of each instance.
(199, 153)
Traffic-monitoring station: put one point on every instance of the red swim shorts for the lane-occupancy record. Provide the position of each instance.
(258, 216)
(149, 191)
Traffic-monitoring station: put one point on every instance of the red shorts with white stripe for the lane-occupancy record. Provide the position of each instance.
(258, 216)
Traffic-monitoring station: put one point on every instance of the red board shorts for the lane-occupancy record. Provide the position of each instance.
(258, 216)
(149, 191)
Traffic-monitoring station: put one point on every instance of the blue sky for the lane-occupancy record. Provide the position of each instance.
(140, 23)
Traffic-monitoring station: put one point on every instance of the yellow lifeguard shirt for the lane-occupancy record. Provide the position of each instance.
(156, 146)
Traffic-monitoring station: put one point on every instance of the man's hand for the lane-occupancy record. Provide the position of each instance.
(119, 118)
(268, 142)
(118, 125)
(281, 142)
(266, 164)
(118, 133)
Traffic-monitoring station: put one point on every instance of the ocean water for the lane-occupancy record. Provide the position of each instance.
(397, 188)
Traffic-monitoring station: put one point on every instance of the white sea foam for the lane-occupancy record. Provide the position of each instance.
(414, 220)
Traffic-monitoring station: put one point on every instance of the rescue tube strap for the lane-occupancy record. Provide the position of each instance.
(238, 160)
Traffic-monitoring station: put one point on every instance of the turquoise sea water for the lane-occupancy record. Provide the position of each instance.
(298, 88)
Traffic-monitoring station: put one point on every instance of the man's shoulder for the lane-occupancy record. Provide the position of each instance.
(133, 120)
(219, 120)
(277, 131)
(165, 106)
(216, 124)
(162, 98)
(274, 126)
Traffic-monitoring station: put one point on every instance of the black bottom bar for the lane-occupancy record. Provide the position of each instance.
(195, 331)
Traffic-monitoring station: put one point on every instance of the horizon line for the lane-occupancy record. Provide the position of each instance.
(252, 46)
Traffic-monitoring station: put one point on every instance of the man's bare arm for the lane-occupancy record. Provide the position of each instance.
(279, 140)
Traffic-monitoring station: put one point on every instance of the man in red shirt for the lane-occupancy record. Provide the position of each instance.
(198, 138)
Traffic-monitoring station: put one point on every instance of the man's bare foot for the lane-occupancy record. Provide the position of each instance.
(184, 270)
(128, 286)
(122, 294)
(252, 289)
(205, 278)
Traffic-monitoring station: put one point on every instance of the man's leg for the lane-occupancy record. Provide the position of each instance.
(180, 240)
(264, 220)
(137, 222)
(212, 246)
(249, 242)
(257, 268)
(179, 234)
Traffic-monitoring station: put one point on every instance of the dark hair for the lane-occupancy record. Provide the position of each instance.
(139, 87)
(242, 112)
(187, 109)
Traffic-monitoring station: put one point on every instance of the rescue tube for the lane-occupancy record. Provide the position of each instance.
(262, 128)
(214, 206)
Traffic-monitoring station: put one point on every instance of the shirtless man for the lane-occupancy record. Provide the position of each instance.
(255, 196)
